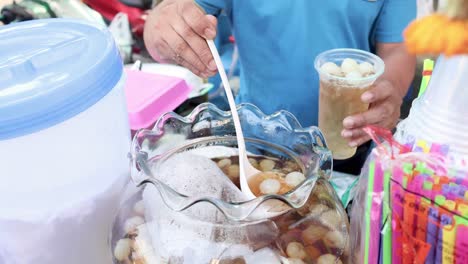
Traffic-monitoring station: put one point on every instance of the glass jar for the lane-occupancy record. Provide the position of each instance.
(183, 205)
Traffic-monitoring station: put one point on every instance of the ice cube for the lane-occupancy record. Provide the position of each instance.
(187, 234)
(174, 234)
(236, 251)
(198, 255)
(132, 223)
(263, 256)
(348, 65)
(214, 151)
(210, 252)
(196, 175)
(167, 142)
(139, 208)
(295, 261)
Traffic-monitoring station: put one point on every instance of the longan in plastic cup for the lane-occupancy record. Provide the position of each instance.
(344, 74)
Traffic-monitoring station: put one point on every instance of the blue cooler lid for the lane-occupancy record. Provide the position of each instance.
(52, 70)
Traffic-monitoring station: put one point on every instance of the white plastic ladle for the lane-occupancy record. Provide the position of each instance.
(246, 170)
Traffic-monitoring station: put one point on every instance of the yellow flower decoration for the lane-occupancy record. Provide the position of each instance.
(443, 33)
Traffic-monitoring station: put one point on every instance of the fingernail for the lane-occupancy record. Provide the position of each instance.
(348, 122)
(210, 33)
(367, 97)
(213, 72)
(346, 133)
(212, 65)
(203, 75)
(352, 144)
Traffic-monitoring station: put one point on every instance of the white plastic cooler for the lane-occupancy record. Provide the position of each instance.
(64, 139)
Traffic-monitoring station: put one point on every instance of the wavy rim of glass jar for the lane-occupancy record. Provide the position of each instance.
(295, 198)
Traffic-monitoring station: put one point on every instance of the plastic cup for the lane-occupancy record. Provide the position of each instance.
(441, 115)
(436, 126)
(340, 95)
(447, 89)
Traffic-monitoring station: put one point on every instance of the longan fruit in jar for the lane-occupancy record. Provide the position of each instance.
(296, 250)
(313, 233)
(329, 259)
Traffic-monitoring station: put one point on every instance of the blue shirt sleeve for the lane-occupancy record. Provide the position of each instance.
(393, 19)
(214, 7)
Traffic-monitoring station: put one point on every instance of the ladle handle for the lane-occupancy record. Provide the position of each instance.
(232, 104)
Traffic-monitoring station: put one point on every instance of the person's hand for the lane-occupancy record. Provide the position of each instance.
(385, 101)
(175, 32)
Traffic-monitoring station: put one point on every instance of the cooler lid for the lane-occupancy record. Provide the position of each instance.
(52, 70)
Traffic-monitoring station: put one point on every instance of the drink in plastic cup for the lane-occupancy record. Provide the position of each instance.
(345, 74)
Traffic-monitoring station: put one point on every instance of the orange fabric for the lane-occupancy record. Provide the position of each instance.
(437, 34)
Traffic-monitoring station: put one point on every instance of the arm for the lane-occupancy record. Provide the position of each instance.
(386, 96)
(400, 66)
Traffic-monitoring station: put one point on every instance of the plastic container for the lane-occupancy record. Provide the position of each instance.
(184, 206)
(150, 95)
(441, 115)
(196, 84)
(64, 139)
(345, 74)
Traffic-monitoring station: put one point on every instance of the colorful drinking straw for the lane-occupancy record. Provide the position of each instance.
(386, 222)
(461, 242)
(448, 235)
(397, 207)
(373, 213)
(432, 231)
(428, 67)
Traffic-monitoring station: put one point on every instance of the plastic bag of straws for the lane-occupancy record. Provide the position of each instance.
(411, 204)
